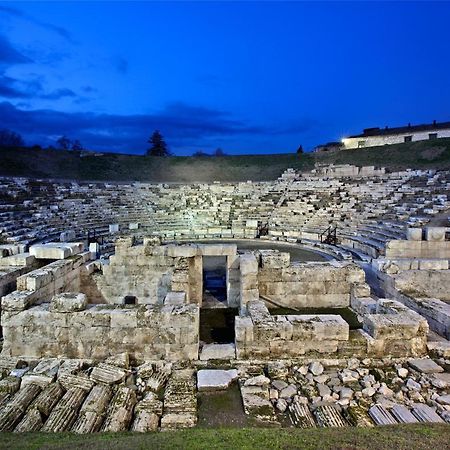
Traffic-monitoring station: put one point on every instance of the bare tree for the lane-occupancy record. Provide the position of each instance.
(9, 138)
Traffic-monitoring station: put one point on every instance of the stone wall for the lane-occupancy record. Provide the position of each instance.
(388, 329)
(311, 285)
(418, 249)
(260, 335)
(424, 283)
(99, 331)
(142, 271)
(39, 286)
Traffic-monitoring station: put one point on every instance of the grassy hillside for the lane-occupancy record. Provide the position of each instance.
(401, 437)
(69, 165)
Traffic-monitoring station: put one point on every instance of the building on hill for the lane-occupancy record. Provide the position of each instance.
(372, 137)
(328, 147)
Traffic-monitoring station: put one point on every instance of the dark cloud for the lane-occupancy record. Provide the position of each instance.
(121, 65)
(59, 93)
(89, 89)
(9, 55)
(178, 122)
(13, 88)
(61, 31)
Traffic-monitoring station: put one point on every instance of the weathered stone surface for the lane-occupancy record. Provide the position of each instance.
(215, 379)
(381, 416)
(105, 373)
(120, 410)
(9, 385)
(11, 414)
(328, 416)
(88, 422)
(425, 365)
(218, 351)
(68, 302)
(174, 421)
(48, 398)
(358, 417)
(145, 421)
(425, 413)
(32, 421)
(76, 381)
(402, 414)
(65, 412)
(97, 400)
(301, 415)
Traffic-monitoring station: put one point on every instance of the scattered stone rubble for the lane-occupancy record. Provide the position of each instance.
(325, 393)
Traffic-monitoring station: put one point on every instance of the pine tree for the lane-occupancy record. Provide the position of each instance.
(158, 145)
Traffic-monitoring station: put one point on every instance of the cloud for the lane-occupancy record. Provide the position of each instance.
(59, 93)
(61, 31)
(121, 65)
(179, 123)
(9, 55)
(13, 88)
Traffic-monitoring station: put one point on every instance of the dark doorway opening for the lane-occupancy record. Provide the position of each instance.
(214, 280)
(217, 325)
(130, 300)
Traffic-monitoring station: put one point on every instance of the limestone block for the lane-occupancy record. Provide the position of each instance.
(248, 264)
(55, 250)
(105, 373)
(69, 381)
(217, 351)
(435, 233)
(67, 302)
(98, 399)
(174, 421)
(175, 298)
(145, 421)
(182, 251)
(20, 260)
(18, 300)
(414, 234)
(215, 379)
(433, 264)
(275, 260)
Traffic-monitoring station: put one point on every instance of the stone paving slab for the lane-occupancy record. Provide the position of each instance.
(215, 379)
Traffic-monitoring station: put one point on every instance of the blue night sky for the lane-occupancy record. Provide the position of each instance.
(249, 77)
